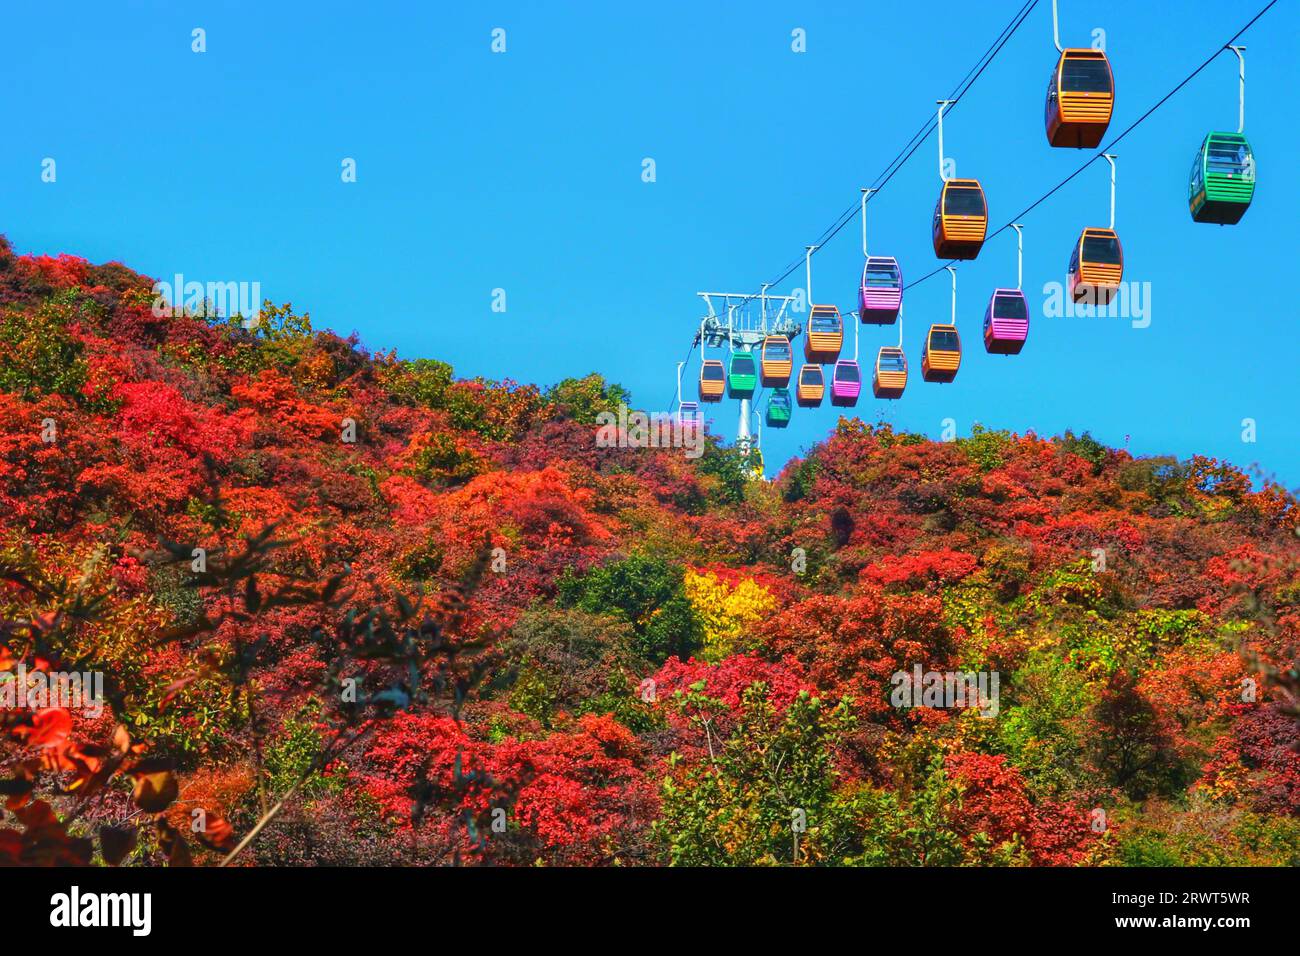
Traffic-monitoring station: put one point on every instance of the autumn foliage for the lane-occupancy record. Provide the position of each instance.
(350, 609)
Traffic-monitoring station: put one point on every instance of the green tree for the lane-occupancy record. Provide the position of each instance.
(985, 447)
(799, 482)
(573, 661)
(422, 381)
(38, 354)
(646, 593)
(1129, 743)
(765, 796)
(917, 831)
(729, 467)
(279, 338)
(582, 399)
(1086, 447)
(1039, 729)
(442, 460)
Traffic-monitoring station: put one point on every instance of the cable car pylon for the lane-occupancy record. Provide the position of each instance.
(729, 324)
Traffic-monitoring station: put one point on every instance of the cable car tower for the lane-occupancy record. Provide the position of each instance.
(739, 322)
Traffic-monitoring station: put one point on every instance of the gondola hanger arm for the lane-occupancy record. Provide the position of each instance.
(807, 263)
(1241, 98)
(865, 194)
(1020, 254)
(1110, 158)
(954, 293)
(942, 104)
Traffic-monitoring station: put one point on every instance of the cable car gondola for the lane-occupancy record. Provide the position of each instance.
(812, 386)
(777, 362)
(778, 408)
(713, 379)
(960, 220)
(1006, 322)
(881, 291)
(742, 377)
(1080, 94)
(825, 335)
(1096, 266)
(1097, 262)
(1080, 98)
(846, 383)
(941, 356)
(890, 377)
(1223, 179)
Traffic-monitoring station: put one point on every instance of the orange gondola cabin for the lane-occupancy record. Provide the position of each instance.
(777, 362)
(1080, 98)
(825, 335)
(1096, 267)
(942, 355)
(713, 380)
(812, 386)
(890, 377)
(961, 218)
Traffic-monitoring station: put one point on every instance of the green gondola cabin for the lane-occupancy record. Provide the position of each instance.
(742, 375)
(779, 408)
(1223, 179)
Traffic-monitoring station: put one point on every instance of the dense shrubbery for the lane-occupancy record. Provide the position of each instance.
(352, 609)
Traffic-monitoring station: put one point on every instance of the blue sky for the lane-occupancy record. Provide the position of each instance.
(522, 171)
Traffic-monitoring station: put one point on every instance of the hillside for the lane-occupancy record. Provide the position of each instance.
(442, 624)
